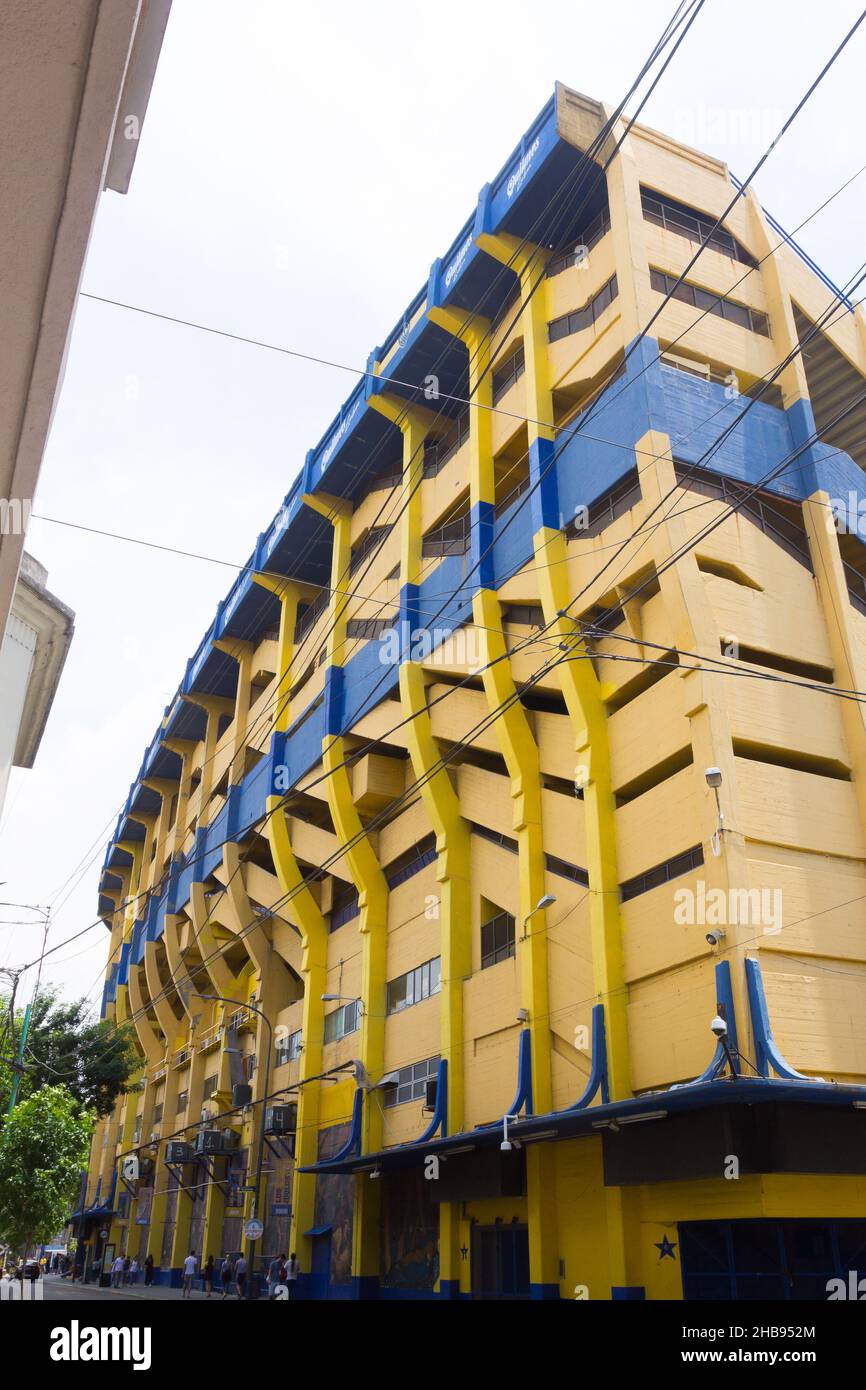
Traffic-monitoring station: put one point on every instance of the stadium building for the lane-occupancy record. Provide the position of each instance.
(490, 904)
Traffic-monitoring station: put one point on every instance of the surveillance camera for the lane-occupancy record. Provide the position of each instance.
(506, 1146)
(719, 1026)
(713, 938)
(713, 776)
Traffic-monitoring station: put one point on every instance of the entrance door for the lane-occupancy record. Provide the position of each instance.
(320, 1273)
(500, 1262)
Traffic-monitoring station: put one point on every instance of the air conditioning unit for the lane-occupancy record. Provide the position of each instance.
(215, 1141)
(281, 1119)
(146, 1168)
(242, 1094)
(178, 1152)
(431, 1094)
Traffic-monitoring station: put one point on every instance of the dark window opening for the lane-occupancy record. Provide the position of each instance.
(662, 873)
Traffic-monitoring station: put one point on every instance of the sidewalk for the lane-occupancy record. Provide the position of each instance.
(154, 1292)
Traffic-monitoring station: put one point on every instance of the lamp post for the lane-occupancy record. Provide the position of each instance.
(260, 1150)
(546, 901)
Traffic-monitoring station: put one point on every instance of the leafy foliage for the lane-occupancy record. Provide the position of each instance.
(44, 1144)
(94, 1060)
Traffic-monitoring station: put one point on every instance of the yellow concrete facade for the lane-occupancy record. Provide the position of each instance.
(520, 829)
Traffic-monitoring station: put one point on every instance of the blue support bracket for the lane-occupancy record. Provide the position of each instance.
(767, 1053)
(440, 1113)
(598, 1077)
(352, 1145)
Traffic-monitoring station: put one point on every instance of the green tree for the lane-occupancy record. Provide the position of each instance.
(93, 1059)
(44, 1144)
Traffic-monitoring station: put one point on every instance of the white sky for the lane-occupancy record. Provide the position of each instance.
(299, 169)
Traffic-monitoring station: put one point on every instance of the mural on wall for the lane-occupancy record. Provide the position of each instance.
(334, 1202)
(410, 1232)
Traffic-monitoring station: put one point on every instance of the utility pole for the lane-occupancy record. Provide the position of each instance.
(19, 1061)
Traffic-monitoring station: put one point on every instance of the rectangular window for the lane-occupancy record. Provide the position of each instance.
(289, 1049)
(345, 907)
(497, 939)
(368, 628)
(694, 225)
(579, 319)
(576, 253)
(505, 376)
(209, 1085)
(662, 873)
(414, 986)
(412, 1082)
(373, 539)
(182, 1101)
(718, 304)
(342, 1021)
(412, 862)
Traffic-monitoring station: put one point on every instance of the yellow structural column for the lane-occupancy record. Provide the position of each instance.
(580, 685)
(520, 752)
(443, 808)
(370, 883)
(305, 914)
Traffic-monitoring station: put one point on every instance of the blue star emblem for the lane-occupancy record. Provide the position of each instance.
(666, 1247)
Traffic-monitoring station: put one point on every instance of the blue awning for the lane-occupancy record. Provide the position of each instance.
(318, 1230)
(575, 1124)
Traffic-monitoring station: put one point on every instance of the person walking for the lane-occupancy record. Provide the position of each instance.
(127, 1265)
(133, 1271)
(148, 1271)
(208, 1273)
(274, 1274)
(292, 1271)
(241, 1275)
(226, 1275)
(117, 1272)
(189, 1268)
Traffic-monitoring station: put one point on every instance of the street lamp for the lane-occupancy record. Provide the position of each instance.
(260, 1150)
(547, 900)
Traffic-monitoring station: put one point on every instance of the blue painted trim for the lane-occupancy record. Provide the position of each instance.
(365, 1287)
(352, 1145)
(481, 558)
(334, 700)
(767, 1053)
(544, 1293)
(544, 501)
(449, 1288)
(523, 1095)
(725, 999)
(598, 1076)
(804, 257)
(440, 1114)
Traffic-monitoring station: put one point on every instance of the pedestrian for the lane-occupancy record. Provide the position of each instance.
(274, 1274)
(189, 1268)
(117, 1272)
(241, 1275)
(292, 1270)
(127, 1265)
(133, 1271)
(226, 1274)
(208, 1277)
(148, 1270)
